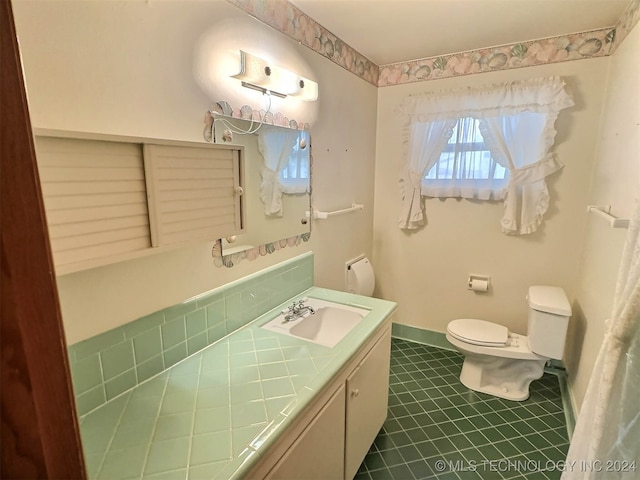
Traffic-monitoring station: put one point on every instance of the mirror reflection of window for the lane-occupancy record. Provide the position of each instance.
(275, 146)
(294, 178)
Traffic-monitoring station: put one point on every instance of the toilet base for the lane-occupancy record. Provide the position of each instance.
(502, 377)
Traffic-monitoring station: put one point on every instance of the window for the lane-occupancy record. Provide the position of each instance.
(465, 167)
(491, 143)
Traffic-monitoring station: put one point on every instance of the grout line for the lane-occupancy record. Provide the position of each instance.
(115, 430)
(405, 382)
(193, 417)
(155, 424)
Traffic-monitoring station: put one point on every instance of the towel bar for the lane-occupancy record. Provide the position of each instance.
(604, 212)
(322, 215)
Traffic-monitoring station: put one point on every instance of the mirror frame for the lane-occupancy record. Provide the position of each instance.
(270, 118)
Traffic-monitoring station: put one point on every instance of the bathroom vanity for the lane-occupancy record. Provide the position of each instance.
(334, 433)
(256, 404)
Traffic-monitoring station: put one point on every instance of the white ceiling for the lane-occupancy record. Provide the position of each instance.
(390, 31)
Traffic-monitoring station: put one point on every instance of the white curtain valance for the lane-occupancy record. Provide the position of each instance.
(517, 123)
(539, 95)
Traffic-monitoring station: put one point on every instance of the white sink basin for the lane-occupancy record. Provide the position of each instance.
(327, 326)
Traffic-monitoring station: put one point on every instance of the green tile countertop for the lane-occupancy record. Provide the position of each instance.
(213, 414)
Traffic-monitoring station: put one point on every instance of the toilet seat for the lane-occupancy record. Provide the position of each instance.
(479, 332)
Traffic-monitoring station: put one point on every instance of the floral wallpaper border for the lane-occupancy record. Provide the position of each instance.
(627, 21)
(293, 22)
(247, 113)
(576, 46)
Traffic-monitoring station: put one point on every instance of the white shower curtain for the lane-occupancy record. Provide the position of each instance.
(606, 441)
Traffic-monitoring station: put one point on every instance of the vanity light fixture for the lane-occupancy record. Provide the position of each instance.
(257, 74)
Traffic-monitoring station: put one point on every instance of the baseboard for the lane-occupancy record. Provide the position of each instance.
(567, 397)
(419, 335)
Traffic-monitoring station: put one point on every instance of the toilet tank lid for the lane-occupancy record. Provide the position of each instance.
(549, 299)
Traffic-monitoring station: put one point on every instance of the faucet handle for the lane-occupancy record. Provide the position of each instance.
(290, 308)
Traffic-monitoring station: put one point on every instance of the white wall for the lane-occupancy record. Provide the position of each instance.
(426, 271)
(615, 182)
(151, 69)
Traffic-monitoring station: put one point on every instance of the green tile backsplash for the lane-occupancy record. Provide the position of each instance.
(105, 366)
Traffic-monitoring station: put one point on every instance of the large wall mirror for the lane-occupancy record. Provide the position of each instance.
(277, 169)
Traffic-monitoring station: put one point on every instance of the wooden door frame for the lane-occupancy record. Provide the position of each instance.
(40, 434)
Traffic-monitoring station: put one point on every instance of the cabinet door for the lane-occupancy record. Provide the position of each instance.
(367, 399)
(318, 453)
(95, 199)
(194, 192)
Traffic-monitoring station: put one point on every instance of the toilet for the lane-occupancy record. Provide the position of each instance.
(502, 363)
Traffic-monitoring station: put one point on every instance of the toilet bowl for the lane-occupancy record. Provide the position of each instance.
(503, 363)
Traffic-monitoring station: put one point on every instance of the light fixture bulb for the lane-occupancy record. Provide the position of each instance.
(306, 90)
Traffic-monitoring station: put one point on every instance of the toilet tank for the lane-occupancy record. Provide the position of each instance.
(549, 313)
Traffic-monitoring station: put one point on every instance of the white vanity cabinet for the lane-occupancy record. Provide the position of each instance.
(331, 438)
(367, 399)
(319, 451)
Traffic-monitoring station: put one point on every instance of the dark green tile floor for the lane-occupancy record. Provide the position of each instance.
(439, 429)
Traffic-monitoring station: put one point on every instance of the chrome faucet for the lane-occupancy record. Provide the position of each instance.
(297, 310)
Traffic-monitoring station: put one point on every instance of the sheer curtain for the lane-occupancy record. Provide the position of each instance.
(465, 168)
(275, 145)
(520, 143)
(425, 142)
(606, 439)
(517, 123)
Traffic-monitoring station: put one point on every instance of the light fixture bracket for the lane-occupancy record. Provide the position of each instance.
(265, 91)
